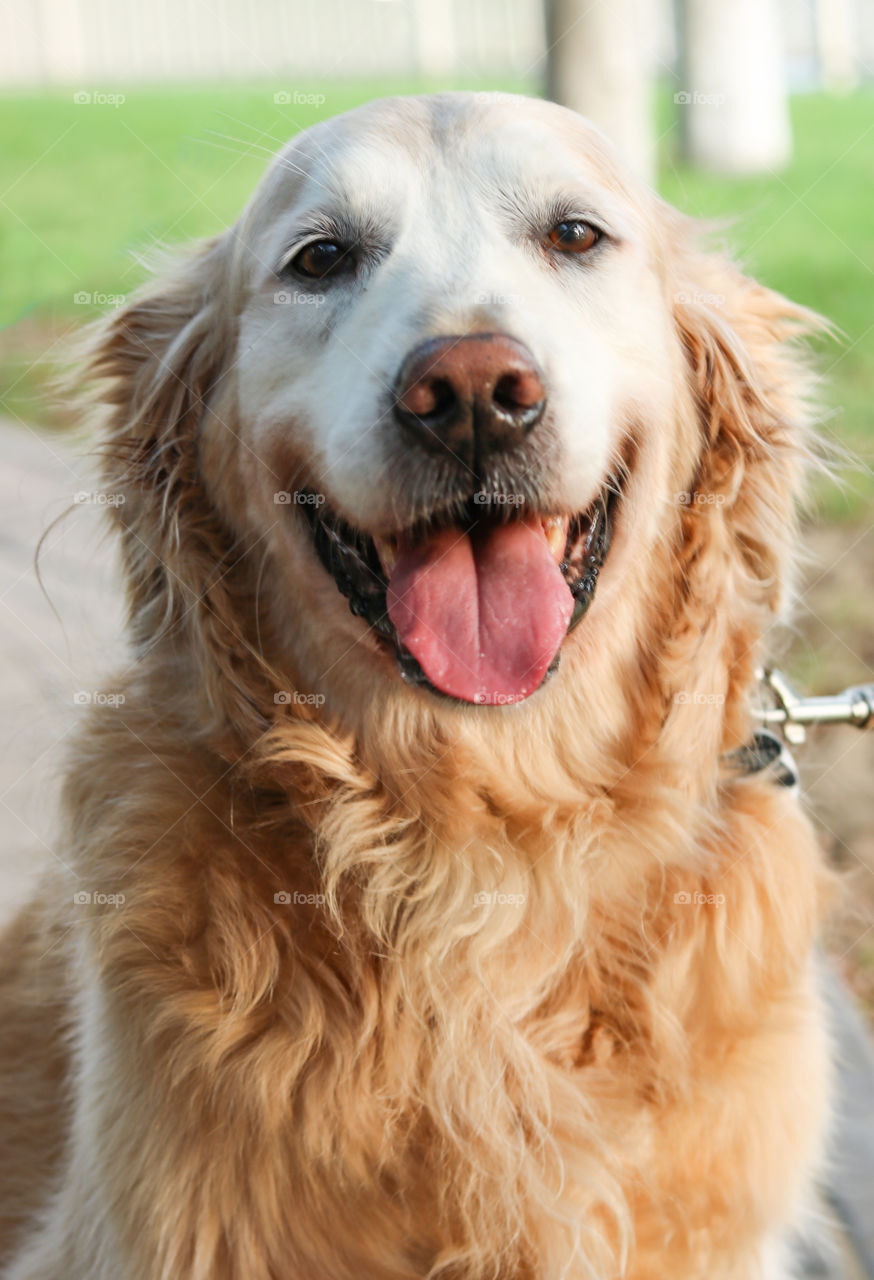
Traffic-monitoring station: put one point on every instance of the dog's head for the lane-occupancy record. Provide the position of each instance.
(458, 412)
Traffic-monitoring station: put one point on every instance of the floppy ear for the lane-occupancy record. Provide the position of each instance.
(157, 361)
(750, 411)
(752, 384)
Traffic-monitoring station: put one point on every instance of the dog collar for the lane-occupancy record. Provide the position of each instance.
(765, 751)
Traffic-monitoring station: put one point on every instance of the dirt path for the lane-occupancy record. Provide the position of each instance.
(833, 648)
(49, 658)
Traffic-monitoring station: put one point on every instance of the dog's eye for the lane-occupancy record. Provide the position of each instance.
(323, 258)
(573, 236)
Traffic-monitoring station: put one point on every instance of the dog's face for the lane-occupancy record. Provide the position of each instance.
(452, 325)
(448, 376)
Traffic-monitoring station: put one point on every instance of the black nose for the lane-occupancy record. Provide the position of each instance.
(471, 396)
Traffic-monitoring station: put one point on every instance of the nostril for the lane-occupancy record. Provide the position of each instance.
(429, 398)
(518, 390)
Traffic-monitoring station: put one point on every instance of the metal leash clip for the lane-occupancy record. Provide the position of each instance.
(793, 713)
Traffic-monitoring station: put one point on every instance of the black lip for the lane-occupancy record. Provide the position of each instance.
(351, 558)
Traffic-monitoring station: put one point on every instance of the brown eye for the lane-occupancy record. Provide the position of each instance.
(322, 258)
(574, 237)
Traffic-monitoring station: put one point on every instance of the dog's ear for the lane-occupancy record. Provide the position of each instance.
(752, 389)
(155, 365)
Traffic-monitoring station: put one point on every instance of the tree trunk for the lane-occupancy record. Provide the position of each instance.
(835, 37)
(434, 37)
(733, 97)
(599, 64)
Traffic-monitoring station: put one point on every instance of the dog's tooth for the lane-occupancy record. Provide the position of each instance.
(386, 549)
(555, 528)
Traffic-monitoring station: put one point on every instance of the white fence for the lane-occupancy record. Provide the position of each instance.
(101, 43)
(116, 41)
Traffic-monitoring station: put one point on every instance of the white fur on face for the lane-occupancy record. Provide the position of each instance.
(452, 196)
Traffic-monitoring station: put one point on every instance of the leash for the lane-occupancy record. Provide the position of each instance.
(793, 713)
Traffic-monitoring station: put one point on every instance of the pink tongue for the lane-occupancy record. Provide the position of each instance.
(483, 613)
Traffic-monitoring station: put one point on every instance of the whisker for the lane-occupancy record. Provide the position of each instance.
(251, 147)
(244, 124)
(206, 142)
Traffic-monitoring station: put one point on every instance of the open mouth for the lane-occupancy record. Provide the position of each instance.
(475, 608)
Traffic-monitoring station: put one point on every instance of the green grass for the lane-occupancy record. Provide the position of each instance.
(86, 188)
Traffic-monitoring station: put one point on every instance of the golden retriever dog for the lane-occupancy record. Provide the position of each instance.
(417, 919)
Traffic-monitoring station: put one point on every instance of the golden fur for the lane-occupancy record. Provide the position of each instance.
(398, 1080)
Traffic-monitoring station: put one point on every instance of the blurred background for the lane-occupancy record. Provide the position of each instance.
(125, 124)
